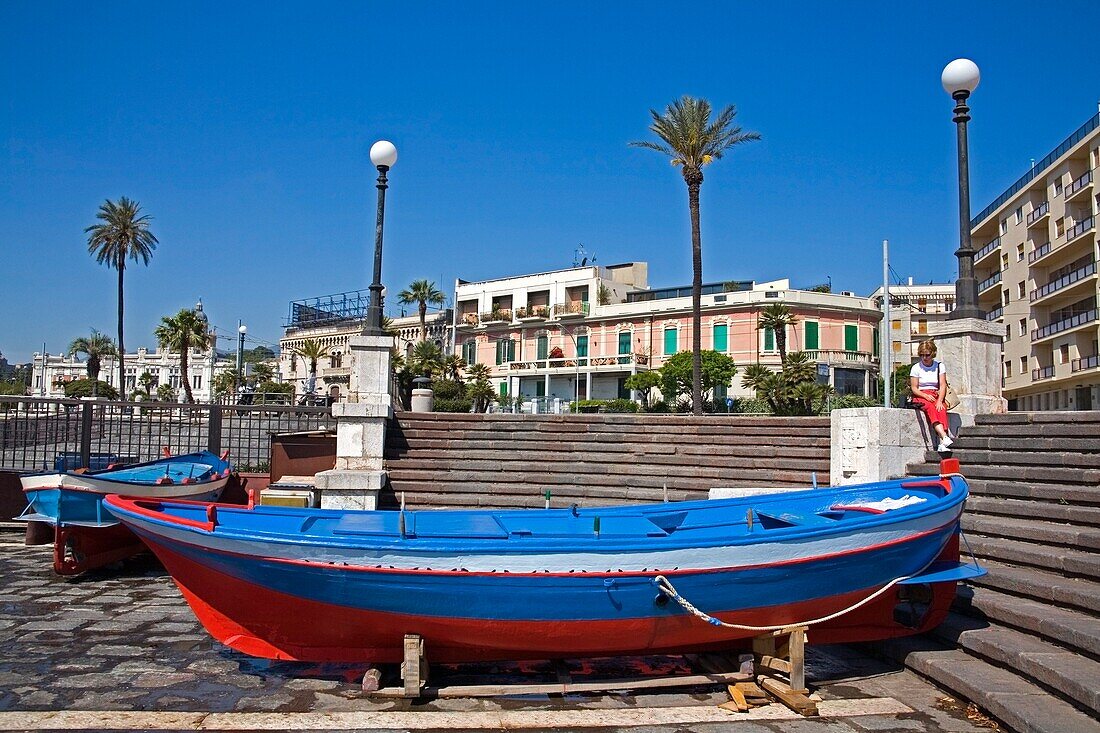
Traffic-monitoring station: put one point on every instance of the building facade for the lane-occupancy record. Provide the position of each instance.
(912, 308)
(580, 333)
(1036, 266)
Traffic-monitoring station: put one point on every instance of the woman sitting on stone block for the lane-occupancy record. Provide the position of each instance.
(928, 385)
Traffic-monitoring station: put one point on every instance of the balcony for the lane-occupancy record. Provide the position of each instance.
(576, 309)
(1087, 362)
(467, 320)
(1064, 325)
(1038, 253)
(837, 356)
(1037, 375)
(500, 315)
(987, 250)
(1063, 282)
(533, 313)
(614, 363)
(1079, 185)
(1080, 228)
(1038, 214)
(989, 282)
(995, 313)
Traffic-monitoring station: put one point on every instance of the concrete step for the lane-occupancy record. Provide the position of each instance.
(1078, 631)
(1060, 560)
(1033, 530)
(1000, 440)
(712, 468)
(1022, 456)
(1067, 674)
(1021, 705)
(1084, 418)
(1001, 507)
(984, 481)
(535, 444)
(1040, 585)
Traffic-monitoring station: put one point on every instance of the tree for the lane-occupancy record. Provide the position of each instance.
(422, 293)
(145, 386)
(453, 364)
(181, 333)
(478, 387)
(692, 141)
(166, 393)
(777, 317)
(88, 388)
(311, 350)
(643, 383)
(122, 234)
(677, 373)
(427, 359)
(224, 384)
(262, 372)
(793, 391)
(96, 347)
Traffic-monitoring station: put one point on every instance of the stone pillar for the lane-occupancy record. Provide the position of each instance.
(877, 443)
(360, 428)
(971, 350)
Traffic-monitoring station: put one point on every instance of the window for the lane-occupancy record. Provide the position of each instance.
(1063, 352)
(769, 339)
(1004, 225)
(874, 342)
(721, 341)
(921, 326)
(1059, 227)
(196, 381)
(542, 346)
(896, 347)
(503, 389)
(895, 325)
(670, 341)
(582, 346)
(812, 337)
(624, 342)
(1019, 214)
(506, 351)
(851, 337)
(1023, 365)
(1004, 260)
(1057, 185)
(1023, 327)
(469, 352)
(1021, 290)
(1008, 369)
(1004, 297)
(1019, 252)
(540, 388)
(1008, 334)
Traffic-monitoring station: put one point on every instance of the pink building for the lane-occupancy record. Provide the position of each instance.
(581, 332)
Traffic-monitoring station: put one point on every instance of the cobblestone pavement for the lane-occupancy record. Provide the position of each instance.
(120, 649)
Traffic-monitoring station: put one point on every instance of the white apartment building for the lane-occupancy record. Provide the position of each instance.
(912, 308)
(1036, 266)
(51, 372)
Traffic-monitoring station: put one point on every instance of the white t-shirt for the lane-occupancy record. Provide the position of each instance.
(928, 377)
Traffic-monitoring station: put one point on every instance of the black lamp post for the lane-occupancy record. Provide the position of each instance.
(383, 155)
(959, 79)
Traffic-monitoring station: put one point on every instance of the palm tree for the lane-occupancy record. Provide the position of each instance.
(777, 317)
(453, 365)
(478, 387)
(96, 346)
(122, 234)
(692, 141)
(422, 293)
(427, 359)
(181, 333)
(311, 350)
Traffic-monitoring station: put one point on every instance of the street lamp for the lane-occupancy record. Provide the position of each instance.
(959, 79)
(241, 331)
(383, 155)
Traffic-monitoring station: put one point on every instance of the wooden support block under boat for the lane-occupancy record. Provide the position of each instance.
(796, 701)
(414, 670)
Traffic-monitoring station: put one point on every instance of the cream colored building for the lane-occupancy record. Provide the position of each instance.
(1036, 267)
(912, 308)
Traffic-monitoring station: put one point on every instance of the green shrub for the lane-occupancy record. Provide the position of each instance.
(453, 404)
(851, 400)
(743, 405)
(660, 406)
(620, 405)
(448, 389)
(83, 388)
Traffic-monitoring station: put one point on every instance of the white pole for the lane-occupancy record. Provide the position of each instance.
(885, 343)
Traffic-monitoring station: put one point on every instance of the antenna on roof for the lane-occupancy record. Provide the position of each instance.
(581, 258)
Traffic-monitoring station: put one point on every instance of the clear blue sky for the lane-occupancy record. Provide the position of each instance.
(244, 131)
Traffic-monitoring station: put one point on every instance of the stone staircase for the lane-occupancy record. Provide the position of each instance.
(499, 461)
(1023, 642)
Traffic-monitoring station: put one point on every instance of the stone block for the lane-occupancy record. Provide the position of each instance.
(350, 489)
(876, 443)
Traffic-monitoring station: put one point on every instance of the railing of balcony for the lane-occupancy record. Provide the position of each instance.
(1064, 325)
(584, 361)
(1086, 362)
(833, 356)
(533, 311)
(1038, 252)
(989, 281)
(995, 313)
(577, 308)
(1080, 228)
(1040, 211)
(470, 319)
(1063, 282)
(1042, 373)
(987, 249)
(496, 316)
(1078, 184)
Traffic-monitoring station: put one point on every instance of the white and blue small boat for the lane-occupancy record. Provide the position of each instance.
(856, 563)
(87, 536)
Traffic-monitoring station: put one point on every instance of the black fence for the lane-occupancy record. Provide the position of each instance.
(63, 434)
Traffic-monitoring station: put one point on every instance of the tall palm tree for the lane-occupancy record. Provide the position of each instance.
(181, 333)
(777, 317)
(422, 293)
(427, 359)
(453, 364)
(122, 234)
(692, 140)
(311, 350)
(96, 346)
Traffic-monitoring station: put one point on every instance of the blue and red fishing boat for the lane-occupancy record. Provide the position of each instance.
(329, 585)
(85, 535)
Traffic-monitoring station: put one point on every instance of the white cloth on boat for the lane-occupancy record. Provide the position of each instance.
(887, 504)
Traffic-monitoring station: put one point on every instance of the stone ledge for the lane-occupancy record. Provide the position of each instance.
(344, 489)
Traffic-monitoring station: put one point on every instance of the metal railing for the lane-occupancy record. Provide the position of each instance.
(987, 249)
(989, 281)
(1080, 228)
(1064, 325)
(1038, 168)
(35, 431)
(576, 308)
(1040, 211)
(1078, 184)
(584, 361)
(1042, 373)
(1085, 362)
(533, 311)
(834, 356)
(995, 313)
(1038, 253)
(497, 315)
(1063, 282)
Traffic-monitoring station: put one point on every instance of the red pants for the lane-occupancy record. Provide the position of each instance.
(929, 408)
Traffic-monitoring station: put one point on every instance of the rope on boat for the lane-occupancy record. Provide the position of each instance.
(666, 587)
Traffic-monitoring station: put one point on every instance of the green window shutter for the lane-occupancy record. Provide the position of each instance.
(469, 352)
(670, 341)
(769, 339)
(624, 342)
(503, 388)
(721, 332)
(875, 342)
(511, 350)
(540, 388)
(582, 346)
(502, 351)
(851, 337)
(541, 347)
(812, 340)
